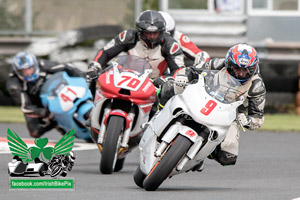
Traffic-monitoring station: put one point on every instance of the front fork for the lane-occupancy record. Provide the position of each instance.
(128, 127)
(193, 150)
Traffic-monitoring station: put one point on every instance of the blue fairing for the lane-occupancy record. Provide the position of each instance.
(71, 116)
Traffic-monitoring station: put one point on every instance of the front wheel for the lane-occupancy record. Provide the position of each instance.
(110, 146)
(139, 177)
(164, 167)
(119, 165)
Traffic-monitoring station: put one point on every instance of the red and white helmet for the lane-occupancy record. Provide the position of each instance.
(241, 57)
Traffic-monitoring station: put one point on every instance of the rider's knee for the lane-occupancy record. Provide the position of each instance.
(166, 93)
(14, 90)
(34, 134)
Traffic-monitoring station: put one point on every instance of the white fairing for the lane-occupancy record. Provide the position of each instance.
(212, 110)
(68, 94)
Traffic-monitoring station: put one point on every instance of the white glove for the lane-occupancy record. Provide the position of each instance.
(242, 118)
(179, 83)
(200, 59)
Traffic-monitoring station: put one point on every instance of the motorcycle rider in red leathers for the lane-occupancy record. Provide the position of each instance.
(190, 50)
(240, 62)
(149, 41)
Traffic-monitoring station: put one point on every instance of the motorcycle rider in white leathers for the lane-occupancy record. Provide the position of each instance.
(240, 62)
(148, 40)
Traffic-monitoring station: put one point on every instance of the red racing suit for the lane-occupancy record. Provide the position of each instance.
(190, 50)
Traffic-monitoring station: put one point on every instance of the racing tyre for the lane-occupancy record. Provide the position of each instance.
(110, 146)
(164, 167)
(139, 177)
(119, 165)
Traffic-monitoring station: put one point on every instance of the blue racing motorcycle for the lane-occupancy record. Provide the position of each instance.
(70, 101)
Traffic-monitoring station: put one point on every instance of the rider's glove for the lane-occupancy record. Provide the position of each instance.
(244, 120)
(179, 83)
(93, 71)
(158, 82)
(200, 59)
(161, 80)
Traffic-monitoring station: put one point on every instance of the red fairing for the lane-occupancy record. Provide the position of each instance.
(144, 95)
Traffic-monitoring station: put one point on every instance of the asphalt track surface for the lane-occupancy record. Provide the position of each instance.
(268, 168)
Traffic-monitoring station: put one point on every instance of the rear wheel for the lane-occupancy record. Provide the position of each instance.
(165, 166)
(110, 146)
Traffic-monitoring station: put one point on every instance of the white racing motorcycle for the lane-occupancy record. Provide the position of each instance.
(188, 129)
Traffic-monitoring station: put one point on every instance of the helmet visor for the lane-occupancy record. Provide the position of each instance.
(27, 72)
(151, 36)
(242, 73)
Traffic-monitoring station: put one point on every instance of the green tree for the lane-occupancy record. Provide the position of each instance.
(150, 4)
(188, 4)
(11, 19)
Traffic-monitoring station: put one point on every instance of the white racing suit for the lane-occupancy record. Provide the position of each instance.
(255, 94)
(165, 59)
(167, 55)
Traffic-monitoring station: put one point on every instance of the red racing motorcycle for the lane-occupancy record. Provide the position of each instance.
(123, 100)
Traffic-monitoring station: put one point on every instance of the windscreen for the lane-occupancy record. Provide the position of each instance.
(132, 64)
(222, 86)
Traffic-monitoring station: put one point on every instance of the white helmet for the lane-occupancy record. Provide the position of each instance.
(170, 22)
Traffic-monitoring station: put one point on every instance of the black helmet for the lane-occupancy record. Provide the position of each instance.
(151, 27)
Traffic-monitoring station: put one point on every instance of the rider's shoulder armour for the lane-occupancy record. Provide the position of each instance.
(170, 46)
(258, 87)
(129, 36)
(47, 65)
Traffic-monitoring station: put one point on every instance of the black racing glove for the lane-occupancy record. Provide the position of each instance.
(93, 71)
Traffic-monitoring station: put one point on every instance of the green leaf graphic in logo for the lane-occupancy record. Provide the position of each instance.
(65, 144)
(19, 148)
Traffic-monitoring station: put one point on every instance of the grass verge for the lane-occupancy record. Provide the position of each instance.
(281, 122)
(273, 122)
(11, 114)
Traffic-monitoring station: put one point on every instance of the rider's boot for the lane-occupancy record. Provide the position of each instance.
(223, 157)
(199, 167)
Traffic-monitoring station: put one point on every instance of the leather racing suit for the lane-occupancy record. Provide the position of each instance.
(226, 153)
(27, 95)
